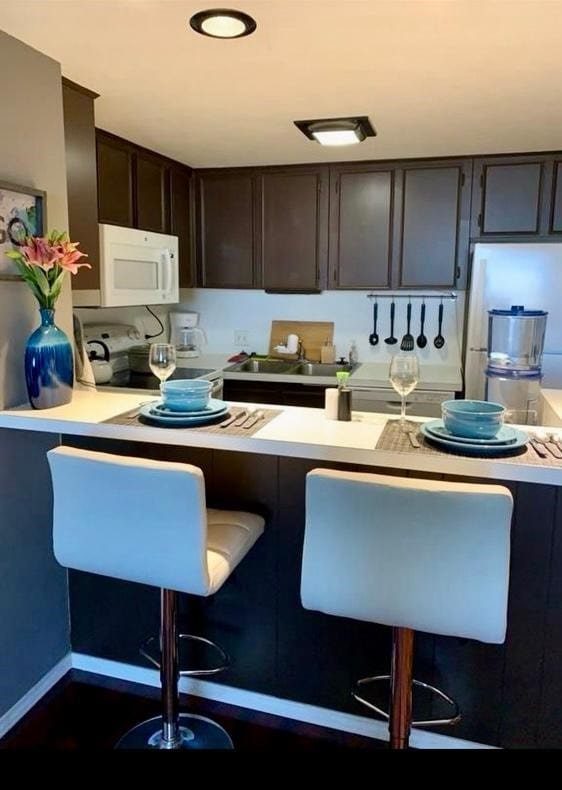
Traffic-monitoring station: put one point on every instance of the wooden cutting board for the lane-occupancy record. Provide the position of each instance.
(312, 333)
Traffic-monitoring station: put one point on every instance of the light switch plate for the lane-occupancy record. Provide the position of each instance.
(241, 337)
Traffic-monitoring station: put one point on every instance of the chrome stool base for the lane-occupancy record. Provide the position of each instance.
(195, 732)
(455, 717)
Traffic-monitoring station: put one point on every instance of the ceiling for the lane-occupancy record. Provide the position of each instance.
(436, 77)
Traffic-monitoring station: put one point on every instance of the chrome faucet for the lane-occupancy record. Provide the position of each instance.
(301, 356)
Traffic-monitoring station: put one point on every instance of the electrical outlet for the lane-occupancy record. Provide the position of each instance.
(241, 337)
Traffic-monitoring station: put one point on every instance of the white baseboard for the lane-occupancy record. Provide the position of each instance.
(35, 693)
(289, 709)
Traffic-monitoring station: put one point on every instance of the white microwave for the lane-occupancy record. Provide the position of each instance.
(136, 268)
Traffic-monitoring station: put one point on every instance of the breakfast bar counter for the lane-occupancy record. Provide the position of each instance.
(295, 432)
(285, 658)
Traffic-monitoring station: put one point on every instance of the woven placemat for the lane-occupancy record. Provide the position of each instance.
(396, 440)
(132, 417)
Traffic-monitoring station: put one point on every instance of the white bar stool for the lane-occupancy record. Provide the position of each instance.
(412, 554)
(151, 526)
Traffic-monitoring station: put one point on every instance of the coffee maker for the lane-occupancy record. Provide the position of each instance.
(186, 336)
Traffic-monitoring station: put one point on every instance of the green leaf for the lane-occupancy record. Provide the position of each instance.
(41, 280)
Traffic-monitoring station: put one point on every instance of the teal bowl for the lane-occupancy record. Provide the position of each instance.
(186, 394)
(472, 419)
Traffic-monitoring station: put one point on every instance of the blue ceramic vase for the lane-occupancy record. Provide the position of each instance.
(49, 364)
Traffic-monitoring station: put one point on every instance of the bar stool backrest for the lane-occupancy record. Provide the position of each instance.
(130, 518)
(427, 555)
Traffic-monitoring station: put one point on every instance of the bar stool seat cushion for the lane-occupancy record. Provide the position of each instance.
(422, 554)
(230, 535)
(144, 521)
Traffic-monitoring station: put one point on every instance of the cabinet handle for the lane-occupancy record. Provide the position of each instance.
(480, 220)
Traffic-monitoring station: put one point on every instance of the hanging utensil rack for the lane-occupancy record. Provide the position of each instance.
(446, 295)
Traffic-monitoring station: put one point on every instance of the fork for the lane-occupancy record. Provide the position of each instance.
(407, 343)
(548, 441)
(259, 415)
(539, 445)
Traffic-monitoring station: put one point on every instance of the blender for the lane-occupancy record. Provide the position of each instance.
(514, 369)
(186, 336)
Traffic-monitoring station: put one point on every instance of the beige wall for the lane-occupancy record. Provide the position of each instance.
(31, 154)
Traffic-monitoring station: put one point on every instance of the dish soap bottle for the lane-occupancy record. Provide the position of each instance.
(353, 354)
(344, 396)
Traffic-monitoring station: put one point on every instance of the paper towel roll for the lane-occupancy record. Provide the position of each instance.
(331, 403)
(292, 344)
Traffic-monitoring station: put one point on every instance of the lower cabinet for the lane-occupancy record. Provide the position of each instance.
(274, 392)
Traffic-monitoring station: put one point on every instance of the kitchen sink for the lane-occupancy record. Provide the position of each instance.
(291, 368)
(263, 366)
(321, 369)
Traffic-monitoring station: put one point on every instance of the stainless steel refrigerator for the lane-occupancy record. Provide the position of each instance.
(513, 274)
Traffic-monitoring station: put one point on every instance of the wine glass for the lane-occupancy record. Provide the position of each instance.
(162, 360)
(404, 375)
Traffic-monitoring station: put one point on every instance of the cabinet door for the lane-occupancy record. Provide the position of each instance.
(511, 197)
(293, 230)
(226, 230)
(81, 179)
(361, 212)
(434, 226)
(152, 194)
(180, 217)
(115, 181)
(556, 223)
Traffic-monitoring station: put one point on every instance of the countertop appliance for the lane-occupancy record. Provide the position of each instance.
(136, 268)
(185, 335)
(120, 345)
(514, 367)
(504, 352)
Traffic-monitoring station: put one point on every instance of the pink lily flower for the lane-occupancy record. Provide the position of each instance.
(69, 257)
(38, 252)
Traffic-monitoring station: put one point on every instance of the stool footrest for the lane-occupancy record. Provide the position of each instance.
(153, 655)
(456, 715)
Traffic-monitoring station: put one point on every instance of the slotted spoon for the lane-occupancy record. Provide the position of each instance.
(407, 343)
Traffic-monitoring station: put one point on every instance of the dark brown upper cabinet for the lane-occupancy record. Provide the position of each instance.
(115, 181)
(81, 179)
(152, 193)
(511, 197)
(181, 222)
(293, 229)
(556, 221)
(434, 219)
(225, 221)
(361, 222)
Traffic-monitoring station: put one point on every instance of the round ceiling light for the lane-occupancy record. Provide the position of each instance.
(223, 23)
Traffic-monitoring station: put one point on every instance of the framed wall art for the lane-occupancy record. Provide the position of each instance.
(22, 213)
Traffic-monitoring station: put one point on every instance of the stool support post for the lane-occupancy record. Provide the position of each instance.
(401, 687)
(169, 669)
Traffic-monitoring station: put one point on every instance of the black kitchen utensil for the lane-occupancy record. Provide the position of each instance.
(439, 341)
(373, 337)
(391, 340)
(407, 343)
(422, 339)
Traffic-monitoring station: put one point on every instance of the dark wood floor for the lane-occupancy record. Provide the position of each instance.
(87, 712)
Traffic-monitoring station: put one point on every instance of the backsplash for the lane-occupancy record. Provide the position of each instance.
(226, 312)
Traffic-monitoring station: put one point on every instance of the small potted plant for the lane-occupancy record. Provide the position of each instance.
(43, 262)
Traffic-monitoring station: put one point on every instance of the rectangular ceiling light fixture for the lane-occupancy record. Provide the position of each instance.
(337, 131)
